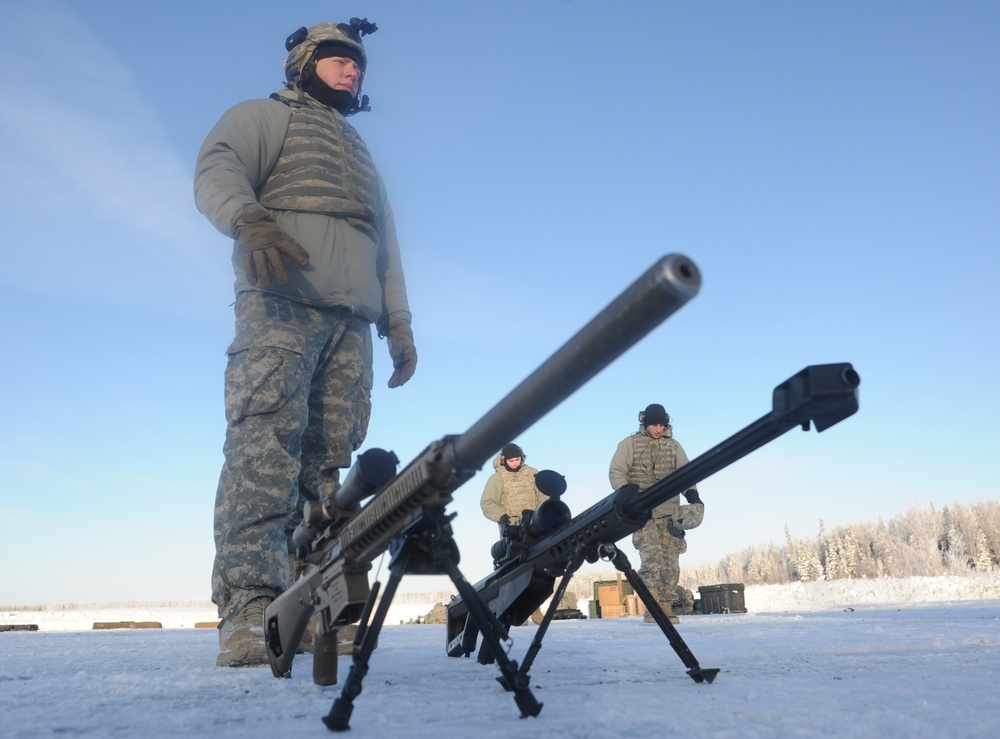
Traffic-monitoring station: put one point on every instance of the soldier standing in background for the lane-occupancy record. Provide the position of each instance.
(646, 456)
(509, 492)
(511, 489)
(316, 263)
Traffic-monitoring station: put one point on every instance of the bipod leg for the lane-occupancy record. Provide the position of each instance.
(364, 643)
(492, 632)
(485, 655)
(696, 671)
(536, 644)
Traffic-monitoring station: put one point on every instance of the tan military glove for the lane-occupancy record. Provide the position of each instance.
(262, 244)
(402, 351)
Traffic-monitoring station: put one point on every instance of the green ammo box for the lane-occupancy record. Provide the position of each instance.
(727, 598)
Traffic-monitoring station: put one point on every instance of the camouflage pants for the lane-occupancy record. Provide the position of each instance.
(298, 400)
(660, 553)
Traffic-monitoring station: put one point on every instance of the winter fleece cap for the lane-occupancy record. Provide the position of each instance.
(655, 414)
(512, 450)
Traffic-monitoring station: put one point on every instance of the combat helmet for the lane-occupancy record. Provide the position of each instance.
(304, 43)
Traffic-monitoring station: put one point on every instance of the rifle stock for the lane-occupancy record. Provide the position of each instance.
(342, 546)
(820, 394)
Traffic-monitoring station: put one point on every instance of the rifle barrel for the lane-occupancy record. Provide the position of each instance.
(821, 394)
(656, 295)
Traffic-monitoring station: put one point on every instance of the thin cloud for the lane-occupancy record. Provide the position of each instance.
(86, 131)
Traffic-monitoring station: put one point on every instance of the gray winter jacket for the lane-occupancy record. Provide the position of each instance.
(347, 266)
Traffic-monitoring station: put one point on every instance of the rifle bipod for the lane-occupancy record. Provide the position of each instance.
(428, 548)
(696, 671)
(536, 643)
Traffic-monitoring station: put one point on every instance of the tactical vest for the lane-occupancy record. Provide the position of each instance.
(652, 459)
(518, 492)
(324, 167)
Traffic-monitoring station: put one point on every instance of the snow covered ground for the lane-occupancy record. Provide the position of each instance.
(915, 657)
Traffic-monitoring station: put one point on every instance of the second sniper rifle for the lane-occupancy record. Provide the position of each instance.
(549, 544)
(338, 540)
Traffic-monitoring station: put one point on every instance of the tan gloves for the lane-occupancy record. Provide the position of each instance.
(262, 244)
(402, 351)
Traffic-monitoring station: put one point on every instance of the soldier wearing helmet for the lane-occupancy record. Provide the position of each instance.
(317, 264)
(308, 46)
(511, 489)
(641, 459)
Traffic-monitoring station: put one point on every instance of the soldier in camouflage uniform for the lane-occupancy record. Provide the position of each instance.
(316, 264)
(683, 601)
(511, 489)
(437, 615)
(641, 459)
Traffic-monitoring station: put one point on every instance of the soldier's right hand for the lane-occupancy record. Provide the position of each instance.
(262, 245)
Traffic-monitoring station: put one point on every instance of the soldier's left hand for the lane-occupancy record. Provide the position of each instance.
(402, 351)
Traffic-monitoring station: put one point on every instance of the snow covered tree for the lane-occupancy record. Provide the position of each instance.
(921, 542)
(850, 554)
(734, 570)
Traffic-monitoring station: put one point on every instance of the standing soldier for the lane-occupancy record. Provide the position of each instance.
(316, 263)
(511, 489)
(643, 458)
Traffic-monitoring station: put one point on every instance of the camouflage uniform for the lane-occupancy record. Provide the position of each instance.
(510, 492)
(299, 376)
(298, 389)
(683, 602)
(437, 615)
(642, 460)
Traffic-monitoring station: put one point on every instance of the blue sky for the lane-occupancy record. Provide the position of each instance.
(832, 168)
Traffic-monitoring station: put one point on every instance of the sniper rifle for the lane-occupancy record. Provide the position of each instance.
(339, 539)
(550, 544)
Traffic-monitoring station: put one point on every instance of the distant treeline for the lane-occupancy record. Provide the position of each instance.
(925, 542)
